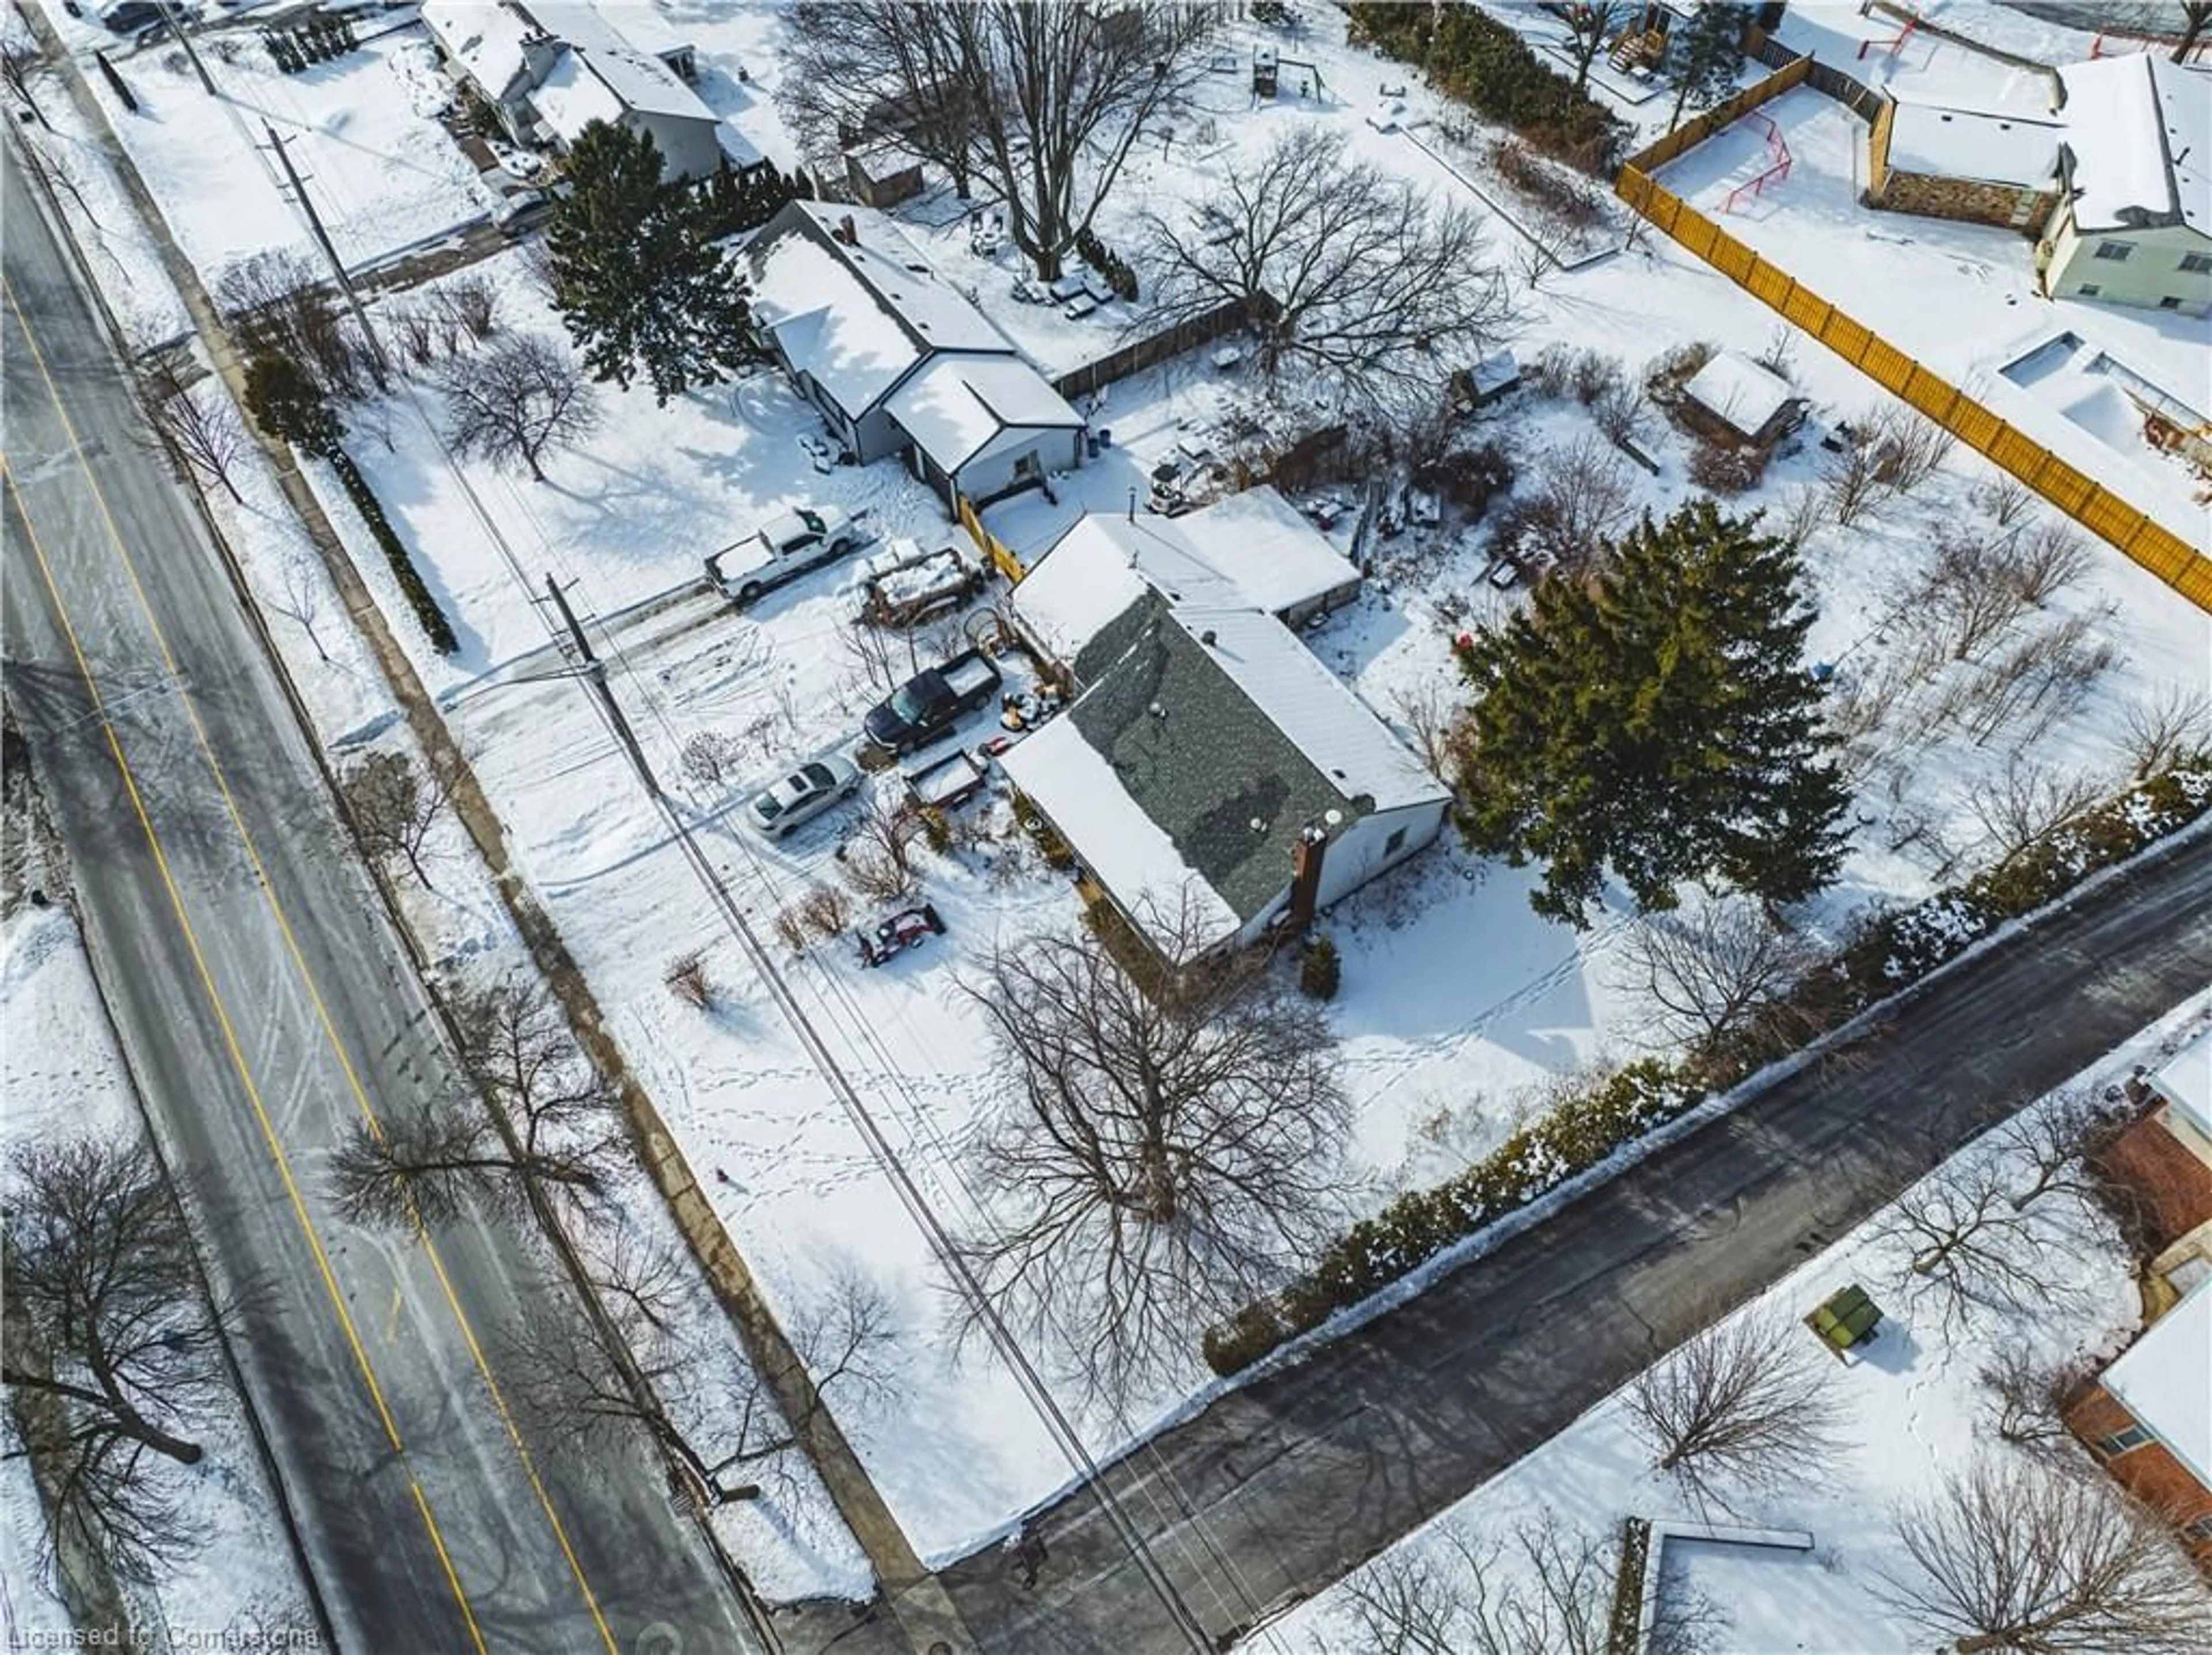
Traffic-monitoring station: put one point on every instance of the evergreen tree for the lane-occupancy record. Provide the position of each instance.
(1707, 56)
(1657, 720)
(637, 275)
(291, 407)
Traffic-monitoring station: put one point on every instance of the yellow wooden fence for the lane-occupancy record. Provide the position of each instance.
(1000, 555)
(2151, 543)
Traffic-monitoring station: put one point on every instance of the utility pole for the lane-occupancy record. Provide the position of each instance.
(185, 39)
(595, 670)
(322, 241)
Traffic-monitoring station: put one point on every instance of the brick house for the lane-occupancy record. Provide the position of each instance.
(2148, 1416)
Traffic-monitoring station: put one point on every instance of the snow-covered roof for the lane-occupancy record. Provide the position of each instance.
(2137, 126)
(829, 326)
(1339, 734)
(486, 41)
(571, 97)
(1121, 846)
(2160, 1379)
(1971, 143)
(1250, 551)
(1739, 390)
(1274, 557)
(957, 406)
(2186, 1083)
(859, 316)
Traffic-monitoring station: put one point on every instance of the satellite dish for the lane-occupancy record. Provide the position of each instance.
(1333, 818)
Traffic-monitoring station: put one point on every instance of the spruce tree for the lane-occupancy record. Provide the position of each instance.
(637, 275)
(1656, 719)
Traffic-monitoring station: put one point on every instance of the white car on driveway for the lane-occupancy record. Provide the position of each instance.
(804, 794)
(785, 546)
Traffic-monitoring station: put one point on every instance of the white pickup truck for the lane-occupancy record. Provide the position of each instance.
(783, 548)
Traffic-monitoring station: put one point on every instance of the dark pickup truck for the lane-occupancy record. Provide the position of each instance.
(922, 708)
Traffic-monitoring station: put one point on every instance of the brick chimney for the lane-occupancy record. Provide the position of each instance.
(1306, 857)
(848, 231)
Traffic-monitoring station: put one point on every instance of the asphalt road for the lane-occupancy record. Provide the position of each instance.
(265, 1004)
(1296, 1478)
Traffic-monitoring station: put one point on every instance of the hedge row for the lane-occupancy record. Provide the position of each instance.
(435, 624)
(1483, 62)
(1583, 1128)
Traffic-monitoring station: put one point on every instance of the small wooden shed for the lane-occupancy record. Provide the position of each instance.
(1735, 400)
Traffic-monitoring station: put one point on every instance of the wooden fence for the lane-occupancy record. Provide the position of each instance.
(996, 551)
(2103, 513)
(1153, 348)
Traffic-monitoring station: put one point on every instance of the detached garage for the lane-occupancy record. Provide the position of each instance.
(984, 427)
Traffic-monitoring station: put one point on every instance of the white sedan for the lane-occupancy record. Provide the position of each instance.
(804, 794)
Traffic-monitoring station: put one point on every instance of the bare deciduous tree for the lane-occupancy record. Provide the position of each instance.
(1347, 276)
(1591, 28)
(2019, 1556)
(2003, 496)
(1906, 446)
(1849, 482)
(1164, 1154)
(113, 1343)
(2027, 1399)
(2052, 1142)
(193, 425)
(568, 1383)
(1967, 1246)
(1548, 1592)
(1427, 711)
(562, 1134)
(1712, 971)
(302, 600)
(1969, 593)
(1577, 497)
(470, 302)
(2026, 803)
(393, 805)
(2046, 559)
(514, 402)
(1039, 103)
(1746, 1402)
(2165, 727)
(280, 307)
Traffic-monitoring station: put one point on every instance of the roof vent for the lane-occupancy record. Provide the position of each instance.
(1259, 826)
(1156, 710)
(1206, 636)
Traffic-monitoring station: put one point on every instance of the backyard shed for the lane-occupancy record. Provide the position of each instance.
(1735, 399)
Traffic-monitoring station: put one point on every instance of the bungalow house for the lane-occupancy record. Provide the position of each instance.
(1734, 399)
(898, 361)
(1209, 771)
(2134, 225)
(2149, 1416)
(548, 69)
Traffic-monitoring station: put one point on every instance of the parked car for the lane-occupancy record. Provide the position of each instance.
(132, 16)
(783, 548)
(927, 703)
(804, 794)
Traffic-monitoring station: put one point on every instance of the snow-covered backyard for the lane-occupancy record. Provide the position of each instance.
(1913, 1408)
(1457, 999)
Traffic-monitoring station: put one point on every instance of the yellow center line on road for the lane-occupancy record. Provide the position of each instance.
(306, 976)
(231, 1044)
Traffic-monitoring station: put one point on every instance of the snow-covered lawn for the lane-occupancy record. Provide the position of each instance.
(63, 1078)
(363, 128)
(1912, 1411)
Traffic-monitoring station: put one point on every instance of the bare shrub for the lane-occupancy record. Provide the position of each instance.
(1849, 481)
(1618, 412)
(1726, 468)
(2004, 497)
(1907, 447)
(686, 978)
(2042, 680)
(1969, 593)
(1666, 374)
(878, 855)
(1780, 356)
(2169, 725)
(2046, 559)
(2016, 1555)
(1427, 711)
(822, 910)
(1801, 513)
(711, 758)
(471, 301)
(790, 926)
(2026, 803)
(1748, 1400)
(1562, 195)
(418, 329)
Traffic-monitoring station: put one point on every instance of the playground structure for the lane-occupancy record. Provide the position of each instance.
(1777, 163)
(1890, 48)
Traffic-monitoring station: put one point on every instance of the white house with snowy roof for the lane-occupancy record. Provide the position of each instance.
(548, 69)
(897, 360)
(2134, 222)
(1212, 777)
